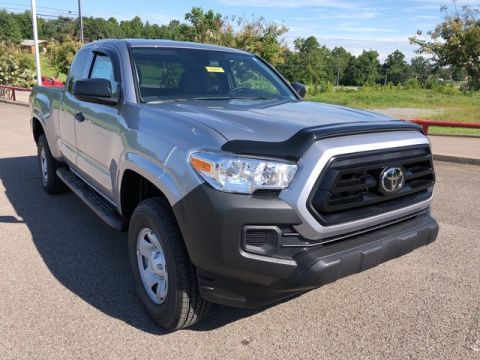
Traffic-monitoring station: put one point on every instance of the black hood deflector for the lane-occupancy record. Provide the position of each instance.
(295, 147)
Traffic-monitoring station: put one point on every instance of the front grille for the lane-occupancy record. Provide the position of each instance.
(348, 189)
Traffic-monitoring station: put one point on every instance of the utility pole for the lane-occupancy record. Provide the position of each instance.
(80, 20)
(35, 41)
(386, 76)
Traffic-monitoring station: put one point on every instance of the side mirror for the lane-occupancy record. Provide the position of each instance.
(94, 90)
(300, 89)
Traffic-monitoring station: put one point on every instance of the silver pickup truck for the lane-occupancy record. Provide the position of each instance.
(232, 188)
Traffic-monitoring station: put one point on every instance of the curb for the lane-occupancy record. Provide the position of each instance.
(14, 102)
(456, 159)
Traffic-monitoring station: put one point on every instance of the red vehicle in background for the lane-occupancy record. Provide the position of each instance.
(51, 81)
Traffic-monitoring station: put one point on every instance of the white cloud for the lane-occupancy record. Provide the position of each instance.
(353, 15)
(446, 2)
(426, 17)
(339, 4)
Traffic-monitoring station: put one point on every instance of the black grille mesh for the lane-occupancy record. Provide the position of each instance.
(349, 188)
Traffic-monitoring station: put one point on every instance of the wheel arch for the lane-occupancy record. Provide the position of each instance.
(136, 187)
(37, 129)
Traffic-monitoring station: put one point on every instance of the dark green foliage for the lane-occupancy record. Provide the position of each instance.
(421, 69)
(10, 27)
(395, 69)
(454, 45)
(363, 70)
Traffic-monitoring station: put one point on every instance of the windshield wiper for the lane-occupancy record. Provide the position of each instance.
(210, 98)
(232, 98)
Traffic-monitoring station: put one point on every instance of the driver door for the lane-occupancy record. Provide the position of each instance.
(97, 133)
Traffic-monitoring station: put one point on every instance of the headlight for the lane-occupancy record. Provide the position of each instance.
(243, 175)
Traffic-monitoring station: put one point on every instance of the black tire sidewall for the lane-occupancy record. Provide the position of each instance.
(51, 169)
(54, 185)
(164, 314)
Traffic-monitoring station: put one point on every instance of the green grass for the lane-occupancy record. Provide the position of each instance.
(437, 130)
(452, 106)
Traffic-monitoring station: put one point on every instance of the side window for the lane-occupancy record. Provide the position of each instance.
(103, 69)
(77, 68)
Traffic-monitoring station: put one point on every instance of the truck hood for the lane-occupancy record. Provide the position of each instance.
(255, 121)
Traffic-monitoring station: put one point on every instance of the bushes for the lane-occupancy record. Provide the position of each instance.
(412, 84)
(16, 68)
(60, 57)
(448, 89)
(321, 87)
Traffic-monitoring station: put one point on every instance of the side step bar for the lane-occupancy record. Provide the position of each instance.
(89, 196)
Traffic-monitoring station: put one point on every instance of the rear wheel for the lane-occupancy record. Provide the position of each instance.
(48, 168)
(165, 278)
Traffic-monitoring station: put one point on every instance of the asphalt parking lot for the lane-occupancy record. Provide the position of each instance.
(66, 289)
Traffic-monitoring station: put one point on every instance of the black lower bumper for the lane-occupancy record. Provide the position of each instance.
(212, 222)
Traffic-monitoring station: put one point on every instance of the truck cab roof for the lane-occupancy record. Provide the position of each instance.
(165, 43)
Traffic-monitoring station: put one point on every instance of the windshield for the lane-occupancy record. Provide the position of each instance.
(184, 74)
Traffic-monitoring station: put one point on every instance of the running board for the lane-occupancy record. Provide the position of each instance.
(89, 196)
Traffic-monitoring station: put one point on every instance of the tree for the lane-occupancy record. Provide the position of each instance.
(132, 28)
(314, 60)
(257, 36)
(60, 56)
(339, 61)
(309, 63)
(352, 74)
(363, 70)
(10, 29)
(395, 68)
(24, 22)
(205, 25)
(421, 68)
(455, 42)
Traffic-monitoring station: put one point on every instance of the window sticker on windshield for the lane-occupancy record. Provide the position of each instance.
(214, 69)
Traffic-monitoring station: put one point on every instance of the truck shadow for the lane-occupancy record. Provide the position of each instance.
(85, 255)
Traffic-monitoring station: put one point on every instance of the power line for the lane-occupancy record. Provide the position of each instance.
(20, 11)
(27, 6)
(51, 16)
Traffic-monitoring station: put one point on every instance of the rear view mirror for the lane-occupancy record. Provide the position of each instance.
(94, 90)
(300, 89)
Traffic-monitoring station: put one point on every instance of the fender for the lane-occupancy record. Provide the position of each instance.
(42, 111)
(159, 174)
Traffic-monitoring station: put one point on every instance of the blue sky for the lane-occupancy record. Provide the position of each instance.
(353, 24)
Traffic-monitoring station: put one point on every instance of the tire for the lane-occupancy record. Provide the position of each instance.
(152, 223)
(48, 168)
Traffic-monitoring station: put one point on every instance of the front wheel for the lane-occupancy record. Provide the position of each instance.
(164, 276)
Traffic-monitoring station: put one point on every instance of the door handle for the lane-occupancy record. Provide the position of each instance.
(79, 117)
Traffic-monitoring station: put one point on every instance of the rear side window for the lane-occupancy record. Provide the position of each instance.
(103, 69)
(77, 68)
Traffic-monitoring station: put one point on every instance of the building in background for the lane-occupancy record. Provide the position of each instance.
(29, 46)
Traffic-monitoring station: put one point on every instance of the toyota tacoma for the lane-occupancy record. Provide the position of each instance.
(233, 189)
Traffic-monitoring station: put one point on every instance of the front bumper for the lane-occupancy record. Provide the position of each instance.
(212, 222)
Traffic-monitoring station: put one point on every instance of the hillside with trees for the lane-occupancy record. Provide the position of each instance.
(309, 61)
